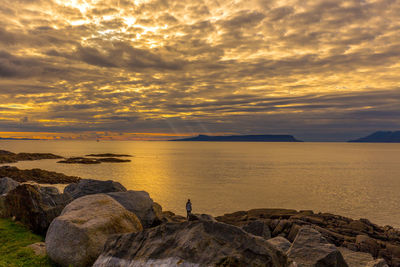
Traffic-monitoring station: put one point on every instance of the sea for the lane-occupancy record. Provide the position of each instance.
(357, 180)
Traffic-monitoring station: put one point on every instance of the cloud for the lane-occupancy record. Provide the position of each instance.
(314, 69)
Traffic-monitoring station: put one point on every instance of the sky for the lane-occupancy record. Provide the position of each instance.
(322, 70)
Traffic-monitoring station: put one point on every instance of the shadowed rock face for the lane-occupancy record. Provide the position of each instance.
(9, 157)
(34, 206)
(356, 259)
(88, 187)
(310, 249)
(258, 228)
(36, 175)
(197, 243)
(357, 235)
(7, 184)
(140, 203)
(78, 235)
(280, 243)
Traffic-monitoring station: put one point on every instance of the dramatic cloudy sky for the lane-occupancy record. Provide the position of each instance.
(123, 69)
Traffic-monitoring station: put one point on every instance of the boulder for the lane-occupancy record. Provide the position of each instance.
(355, 259)
(193, 217)
(158, 211)
(89, 187)
(7, 184)
(258, 228)
(311, 249)
(365, 243)
(169, 216)
(280, 243)
(50, 190)
(377, 263)
(197, 243)
(78, 235)
(205, 217)
(283, 225)
(39, 249)
(140, 203)
(34, 207)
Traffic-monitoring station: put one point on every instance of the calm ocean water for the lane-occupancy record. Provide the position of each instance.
(355, 180)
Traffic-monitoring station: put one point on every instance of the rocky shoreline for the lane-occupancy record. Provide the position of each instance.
(101, 223)
(10, 157)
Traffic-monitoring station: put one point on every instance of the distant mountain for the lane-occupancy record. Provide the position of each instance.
(380, 137)
(242, 138)
(10, 138)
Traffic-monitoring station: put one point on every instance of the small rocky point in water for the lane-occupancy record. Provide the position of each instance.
(36, 175)
(10, 157)
(82, 160)
(108, 155)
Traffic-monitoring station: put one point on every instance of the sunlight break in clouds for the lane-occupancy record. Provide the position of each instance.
(317, 69)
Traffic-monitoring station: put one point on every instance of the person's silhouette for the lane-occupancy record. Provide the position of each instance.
(188, 208)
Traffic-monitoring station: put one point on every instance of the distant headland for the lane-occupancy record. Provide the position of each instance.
(242, 138)
(380, 137)
(11, 138)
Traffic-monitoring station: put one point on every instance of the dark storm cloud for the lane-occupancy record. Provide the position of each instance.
(256, 66)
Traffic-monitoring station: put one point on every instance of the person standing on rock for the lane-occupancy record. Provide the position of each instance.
(188, 208)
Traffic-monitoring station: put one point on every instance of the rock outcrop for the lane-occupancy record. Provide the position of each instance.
(77, 236)
(197, 243)
(310, 249)
(108, 155)
(9, 157)
(82, 160)
(88, 187)
(258, 228)
(140, 203)
(171, 217)
(280, 243)
(356, 259)
(36, 175)
(34, 206)
(79, 160)
(6, 185)
(357, 235)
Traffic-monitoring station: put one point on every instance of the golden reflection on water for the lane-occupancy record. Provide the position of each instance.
(356, 180)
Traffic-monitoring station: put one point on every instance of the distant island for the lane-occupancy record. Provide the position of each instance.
(11, 138)
(380, 137)
(242, 138)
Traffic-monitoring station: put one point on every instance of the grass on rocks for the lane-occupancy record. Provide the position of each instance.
(14, 239)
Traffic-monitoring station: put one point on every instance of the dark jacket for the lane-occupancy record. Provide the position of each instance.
(188, 206)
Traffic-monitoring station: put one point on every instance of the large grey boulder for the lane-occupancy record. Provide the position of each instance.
(258, 228)
(355, 259)
(140, 203)
(310, 249)
(196, 243)
(280, 243)
(6, 185)
(360, 259)
(89, 187)
(77, 236)
(34, 206)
